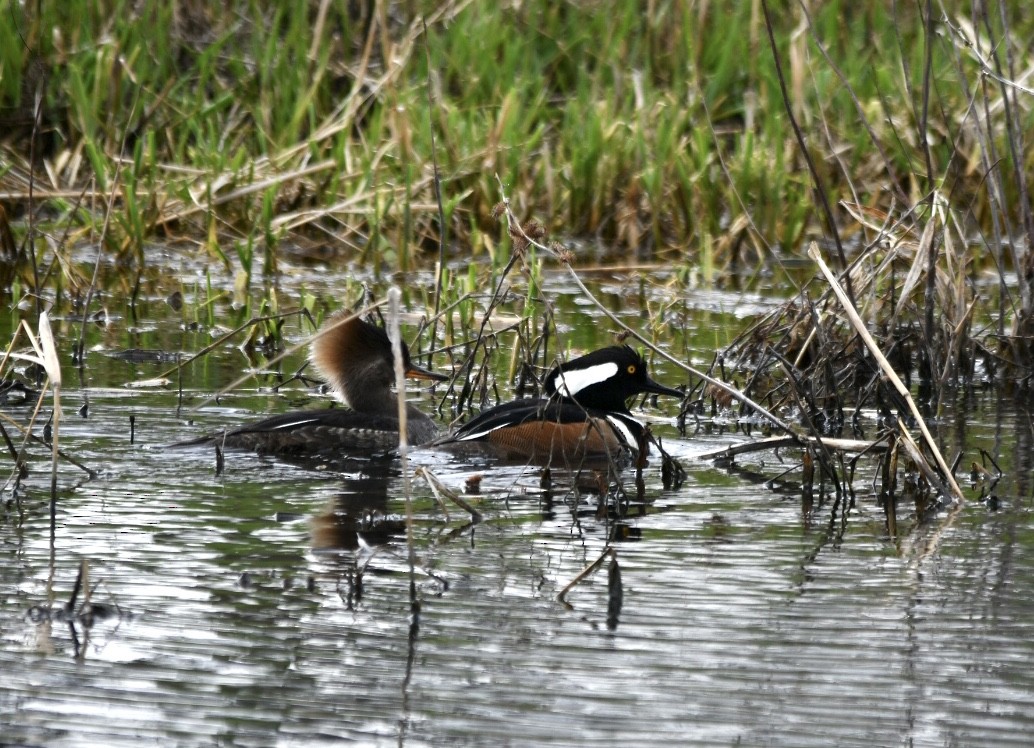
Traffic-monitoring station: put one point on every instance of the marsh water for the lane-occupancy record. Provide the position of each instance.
(270, 603)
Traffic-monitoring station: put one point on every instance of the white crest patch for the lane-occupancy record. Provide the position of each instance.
(569, 383)
(623, 431)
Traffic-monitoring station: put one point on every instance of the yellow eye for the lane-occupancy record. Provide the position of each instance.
(631, 369)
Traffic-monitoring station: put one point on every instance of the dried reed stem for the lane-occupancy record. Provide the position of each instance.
(885, 367)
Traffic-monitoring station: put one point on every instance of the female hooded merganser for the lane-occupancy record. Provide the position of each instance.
(355, 358)
(584, 415)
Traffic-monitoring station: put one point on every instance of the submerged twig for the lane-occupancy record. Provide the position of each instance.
(607, 553)
(46, 356)
(440, 490)
(778, 442)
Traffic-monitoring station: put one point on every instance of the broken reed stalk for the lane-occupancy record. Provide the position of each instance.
(916, 454)
(887, 369)
(46, 356)
(820, 191)
(30, 239)
(27, 436)
(52, 364)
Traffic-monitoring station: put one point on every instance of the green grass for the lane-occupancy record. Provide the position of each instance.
(594, 118)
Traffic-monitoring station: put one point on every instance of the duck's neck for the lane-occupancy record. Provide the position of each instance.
(420, 428)
(379, 400)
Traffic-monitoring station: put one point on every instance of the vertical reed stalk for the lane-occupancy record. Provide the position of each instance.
(395, 336)
(442, 230)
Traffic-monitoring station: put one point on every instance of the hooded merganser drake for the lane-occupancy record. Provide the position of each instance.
(583, 416)
(355, 358)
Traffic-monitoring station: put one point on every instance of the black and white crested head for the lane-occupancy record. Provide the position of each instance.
(604, 379)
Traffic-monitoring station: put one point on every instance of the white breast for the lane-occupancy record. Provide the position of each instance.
(623, 431)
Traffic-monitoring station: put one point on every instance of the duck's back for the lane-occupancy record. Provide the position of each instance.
(329, 430)
(549, 430)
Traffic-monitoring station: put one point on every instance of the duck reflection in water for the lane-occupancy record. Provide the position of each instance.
(359, 516)
(359, 525)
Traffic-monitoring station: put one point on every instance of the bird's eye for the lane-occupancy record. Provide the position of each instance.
(631, 369)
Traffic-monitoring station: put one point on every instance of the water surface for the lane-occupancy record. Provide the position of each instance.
(271, 605)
